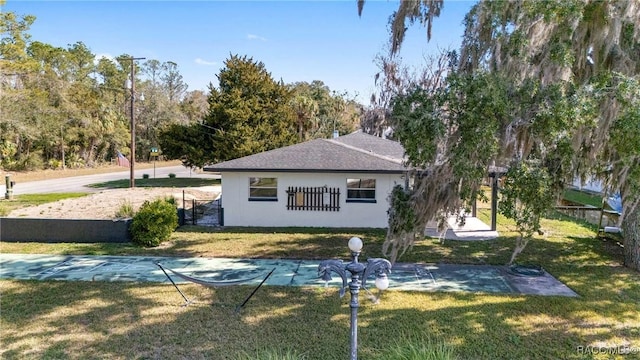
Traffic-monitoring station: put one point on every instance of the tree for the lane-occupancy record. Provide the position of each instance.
(16, 67)
(394, 79)
(190, 143)
(305, 109)
(331, 110)
(588, 51)
(565, 98)
(451, 136)
(61, 107)
(526, 197)
(173, 81)
(249, 112)
(416, 10)
(194, 106)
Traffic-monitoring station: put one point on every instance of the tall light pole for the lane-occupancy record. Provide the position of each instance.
(132, 181)
(380, 267)
(64, 166)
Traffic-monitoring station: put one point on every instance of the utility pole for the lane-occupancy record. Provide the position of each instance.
(64, 167)
(132, 181)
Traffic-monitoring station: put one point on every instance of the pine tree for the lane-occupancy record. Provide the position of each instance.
(249, 112)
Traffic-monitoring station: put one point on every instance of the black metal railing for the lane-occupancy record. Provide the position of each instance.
(206, 212)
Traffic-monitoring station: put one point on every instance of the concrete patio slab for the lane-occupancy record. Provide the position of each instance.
(472, 230)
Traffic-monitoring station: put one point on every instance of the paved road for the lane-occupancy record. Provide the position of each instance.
(79, 183)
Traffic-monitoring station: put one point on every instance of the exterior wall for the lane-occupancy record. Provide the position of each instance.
(239, 211)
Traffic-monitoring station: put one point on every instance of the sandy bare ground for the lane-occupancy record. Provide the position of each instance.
(105, 204)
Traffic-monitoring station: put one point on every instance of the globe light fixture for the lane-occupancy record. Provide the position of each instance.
(355, 244)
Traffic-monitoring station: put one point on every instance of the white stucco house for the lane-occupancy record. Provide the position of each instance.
(342, 182)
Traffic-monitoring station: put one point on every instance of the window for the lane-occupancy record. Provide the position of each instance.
(263, 189)
(361, 190)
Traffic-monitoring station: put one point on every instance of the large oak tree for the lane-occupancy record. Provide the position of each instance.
(561, 81)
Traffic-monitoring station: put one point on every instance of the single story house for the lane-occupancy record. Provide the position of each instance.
(339, 182)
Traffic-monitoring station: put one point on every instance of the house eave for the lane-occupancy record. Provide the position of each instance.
(368, 171)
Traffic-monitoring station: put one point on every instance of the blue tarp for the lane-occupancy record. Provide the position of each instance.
(615, 203)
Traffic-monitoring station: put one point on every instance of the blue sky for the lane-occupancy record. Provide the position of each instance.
(296, 40)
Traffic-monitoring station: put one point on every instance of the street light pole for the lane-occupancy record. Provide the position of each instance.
(132, 180)
(378, 266)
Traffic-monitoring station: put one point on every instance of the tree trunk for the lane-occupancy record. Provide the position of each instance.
(521, 243)
(631, 232)
(300, 130)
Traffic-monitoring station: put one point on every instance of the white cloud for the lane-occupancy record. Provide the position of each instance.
(200, 61)
(97, 57)
(255, 37)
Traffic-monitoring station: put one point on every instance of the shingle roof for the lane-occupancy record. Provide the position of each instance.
(357, 152)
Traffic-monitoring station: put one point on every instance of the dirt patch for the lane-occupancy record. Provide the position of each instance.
(105, 204)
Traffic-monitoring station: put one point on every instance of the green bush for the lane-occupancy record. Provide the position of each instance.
(172, 175)
(74, 161)
(154, 222)
(145, 176)
(30, 162)
(54, 164)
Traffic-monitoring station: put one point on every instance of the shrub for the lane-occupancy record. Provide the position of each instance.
(154, 222)
(30, 162)
(145, 176)
(172, 175)
(54, 164)
(74, 161)
(125, 210)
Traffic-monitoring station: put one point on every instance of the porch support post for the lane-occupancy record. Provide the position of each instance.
(494, 200)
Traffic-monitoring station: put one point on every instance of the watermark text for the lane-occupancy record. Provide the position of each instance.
(608, 350)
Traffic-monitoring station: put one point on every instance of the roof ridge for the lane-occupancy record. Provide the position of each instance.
(368, 152)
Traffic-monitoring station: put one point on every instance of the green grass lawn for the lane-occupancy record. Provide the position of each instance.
(159, 182)
(583, 197)
(84, 320)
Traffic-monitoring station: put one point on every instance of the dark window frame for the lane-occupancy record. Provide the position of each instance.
(258, 186)
(359, 191)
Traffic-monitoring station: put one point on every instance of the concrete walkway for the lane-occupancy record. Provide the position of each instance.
(472, 230)
(413, 277)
